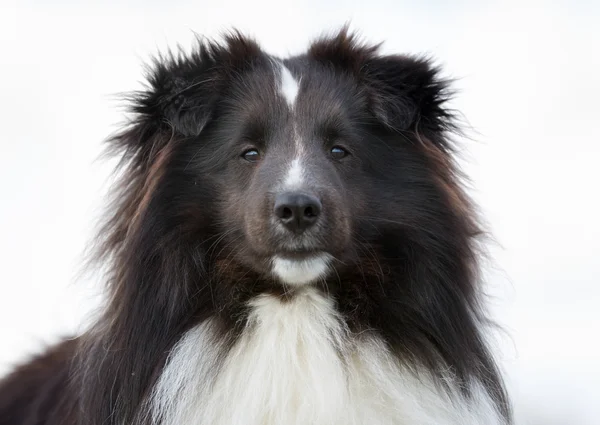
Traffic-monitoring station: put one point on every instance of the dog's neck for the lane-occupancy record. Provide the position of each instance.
(296, 362)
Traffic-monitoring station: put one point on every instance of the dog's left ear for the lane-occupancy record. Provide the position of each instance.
(405, 93)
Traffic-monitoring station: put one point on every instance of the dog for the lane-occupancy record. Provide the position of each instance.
(290, 243)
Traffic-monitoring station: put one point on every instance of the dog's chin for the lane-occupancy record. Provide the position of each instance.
(300, 267)
(291, 262)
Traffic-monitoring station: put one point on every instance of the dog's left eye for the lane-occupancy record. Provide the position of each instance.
(251, 155)
(338, 152)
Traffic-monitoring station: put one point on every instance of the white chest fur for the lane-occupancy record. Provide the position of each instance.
(297, 364)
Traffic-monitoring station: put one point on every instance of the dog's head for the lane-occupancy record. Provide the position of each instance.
(290, 167)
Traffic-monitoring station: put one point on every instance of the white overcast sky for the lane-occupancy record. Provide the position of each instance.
(529, 80)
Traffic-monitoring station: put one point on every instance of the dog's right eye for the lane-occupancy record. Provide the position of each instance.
(251, 155)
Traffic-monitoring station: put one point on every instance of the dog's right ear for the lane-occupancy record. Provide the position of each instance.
(182, 91)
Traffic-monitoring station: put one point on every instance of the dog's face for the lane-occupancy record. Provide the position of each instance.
(290, 181)
(291, 167)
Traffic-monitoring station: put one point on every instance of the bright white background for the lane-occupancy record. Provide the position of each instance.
(529, 86)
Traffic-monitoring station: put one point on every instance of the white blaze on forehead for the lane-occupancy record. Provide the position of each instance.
(301, 272)
(289, 86)
(295, 175)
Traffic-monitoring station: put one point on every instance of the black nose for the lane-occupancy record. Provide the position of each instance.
(297, 211)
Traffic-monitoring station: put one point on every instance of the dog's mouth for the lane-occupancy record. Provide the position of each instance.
(292, 263)
(300, 268)
(299, 254)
